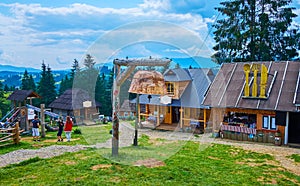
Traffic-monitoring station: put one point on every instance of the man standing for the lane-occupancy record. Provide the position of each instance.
(35, 128)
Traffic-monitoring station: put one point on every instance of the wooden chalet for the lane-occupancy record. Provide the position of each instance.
(258, 101)
(76, 103)
(22, 97)
(180, 107)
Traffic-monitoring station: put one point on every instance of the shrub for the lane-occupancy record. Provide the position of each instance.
(77, 131)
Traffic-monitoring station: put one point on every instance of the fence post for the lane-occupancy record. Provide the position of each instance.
(16, 136)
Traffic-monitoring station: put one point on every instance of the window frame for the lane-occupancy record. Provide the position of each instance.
(269, 122)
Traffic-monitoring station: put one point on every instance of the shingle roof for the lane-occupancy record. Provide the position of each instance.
(72, 99)
(21, 95)
(227, 88)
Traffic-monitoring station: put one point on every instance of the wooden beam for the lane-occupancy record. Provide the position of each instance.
(123, 76)
(142, 62)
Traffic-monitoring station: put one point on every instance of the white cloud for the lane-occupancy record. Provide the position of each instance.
(33, 32)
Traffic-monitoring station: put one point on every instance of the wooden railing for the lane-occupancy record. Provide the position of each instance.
(10, 135)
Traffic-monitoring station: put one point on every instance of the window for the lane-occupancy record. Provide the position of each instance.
(269, 122)
(170, 88)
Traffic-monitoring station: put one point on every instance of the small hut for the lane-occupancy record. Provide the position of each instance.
(77, 103)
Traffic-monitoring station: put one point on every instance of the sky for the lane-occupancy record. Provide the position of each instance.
(57, 32)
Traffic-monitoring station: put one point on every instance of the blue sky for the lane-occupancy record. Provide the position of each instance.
(59, 31)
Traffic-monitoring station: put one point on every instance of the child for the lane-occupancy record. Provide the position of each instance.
(60, 123)
(35, 128)
(68, 128)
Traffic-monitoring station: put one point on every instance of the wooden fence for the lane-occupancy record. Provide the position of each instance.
(10, 135)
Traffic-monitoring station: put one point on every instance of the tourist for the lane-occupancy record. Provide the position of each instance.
(68, 128)
(60, 123)
(35, 128)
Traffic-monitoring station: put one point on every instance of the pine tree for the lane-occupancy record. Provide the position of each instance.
(256, 30)
(4, 107)
(46, 86)
(27, 82)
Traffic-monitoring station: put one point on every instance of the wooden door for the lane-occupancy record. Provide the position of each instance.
(168, 117)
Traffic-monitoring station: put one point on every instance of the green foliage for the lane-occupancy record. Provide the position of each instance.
(256, 31)
(46, 86)
(295, 157)
(77, 131)
(27, 82)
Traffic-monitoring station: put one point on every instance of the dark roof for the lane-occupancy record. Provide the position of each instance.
(177, 74)
(72, 99)
(227, 88)
(21, 95)
(127, 106)
(194, 93)
(297, 93)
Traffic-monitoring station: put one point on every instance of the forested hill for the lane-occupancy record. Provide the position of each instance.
(10, 68)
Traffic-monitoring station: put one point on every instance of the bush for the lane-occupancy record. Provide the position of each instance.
(77, 131)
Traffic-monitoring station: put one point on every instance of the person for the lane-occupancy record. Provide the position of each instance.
(60, 123)
(68, 128)
(35, 128)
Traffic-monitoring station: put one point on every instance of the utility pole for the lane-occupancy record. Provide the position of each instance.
(119, 79)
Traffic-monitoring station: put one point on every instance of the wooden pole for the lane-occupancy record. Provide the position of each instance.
(135, 140)
(115, 132)
(16, 132)
(43, 120)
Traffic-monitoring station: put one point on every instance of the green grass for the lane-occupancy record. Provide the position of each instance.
(90, 135)
(295, 157)
(191, 164)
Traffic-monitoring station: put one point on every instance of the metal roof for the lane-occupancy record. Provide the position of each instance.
(193, 95)
(227, 88)
(176, 75)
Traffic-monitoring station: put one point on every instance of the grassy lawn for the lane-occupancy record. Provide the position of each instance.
(90, 135)
(295, 157)
(190, 165)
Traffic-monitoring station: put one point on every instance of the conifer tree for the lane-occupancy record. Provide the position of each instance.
(256, 30)
(46, 86)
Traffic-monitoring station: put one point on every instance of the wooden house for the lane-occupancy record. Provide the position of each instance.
(76, 103)
(180, 108)
(127, 109)
(260, 100)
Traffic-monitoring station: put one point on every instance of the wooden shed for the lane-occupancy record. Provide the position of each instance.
(257, 98)
(76, 103)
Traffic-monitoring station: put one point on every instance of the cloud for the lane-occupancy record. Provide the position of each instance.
(31, 32)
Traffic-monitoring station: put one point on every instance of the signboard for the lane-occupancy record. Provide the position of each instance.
(87, 104)
(30, 114)
(165, 100)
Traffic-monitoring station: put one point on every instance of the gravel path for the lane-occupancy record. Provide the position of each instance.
(127, 136)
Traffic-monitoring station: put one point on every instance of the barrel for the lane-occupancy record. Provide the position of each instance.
(260, 136)
(271, 137)
(277, 138)
(245, 137)
(239, 136)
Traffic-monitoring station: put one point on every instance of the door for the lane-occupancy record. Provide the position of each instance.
(168, 117)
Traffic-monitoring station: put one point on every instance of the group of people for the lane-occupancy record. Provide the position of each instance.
(62, 126)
